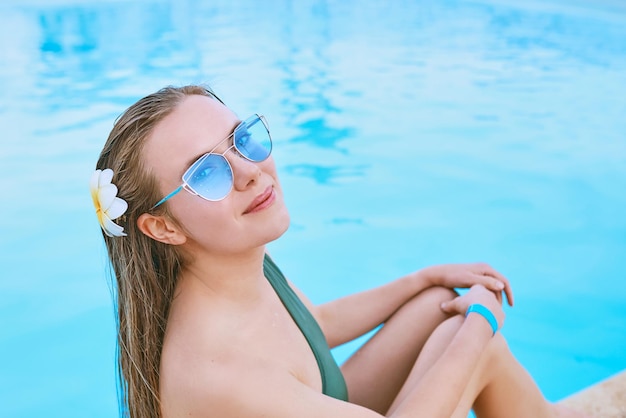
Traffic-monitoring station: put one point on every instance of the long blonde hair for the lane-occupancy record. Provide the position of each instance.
(145, 270)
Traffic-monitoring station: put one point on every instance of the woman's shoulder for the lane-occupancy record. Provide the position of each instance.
(202, 357)
(196, 376)
(216, 362)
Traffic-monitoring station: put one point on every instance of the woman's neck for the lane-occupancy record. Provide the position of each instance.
(238, 277)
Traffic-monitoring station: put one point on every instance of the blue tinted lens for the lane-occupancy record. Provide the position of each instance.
(252, 140)
(211, 177)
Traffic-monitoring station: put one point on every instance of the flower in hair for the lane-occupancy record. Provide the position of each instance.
(108, 205)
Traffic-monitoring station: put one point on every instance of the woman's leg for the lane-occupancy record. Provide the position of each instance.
(377, 371)
(499, 386)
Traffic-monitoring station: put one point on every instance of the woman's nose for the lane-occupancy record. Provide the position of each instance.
(245, 172)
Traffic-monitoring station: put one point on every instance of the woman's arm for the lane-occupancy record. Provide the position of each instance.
(347, 318)
(438, 391)
(437, 388)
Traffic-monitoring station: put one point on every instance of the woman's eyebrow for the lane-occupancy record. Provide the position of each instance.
(197, 157)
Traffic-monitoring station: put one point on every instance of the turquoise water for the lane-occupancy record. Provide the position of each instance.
(407, 133)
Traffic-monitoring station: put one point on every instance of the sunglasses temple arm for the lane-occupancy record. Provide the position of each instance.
(160, 202)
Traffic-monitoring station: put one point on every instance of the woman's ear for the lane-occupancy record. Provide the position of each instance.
(159, 228)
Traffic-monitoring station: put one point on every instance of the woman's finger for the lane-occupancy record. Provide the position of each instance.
(488, 281)
(487, 270)
(499, 297)
(451, 307)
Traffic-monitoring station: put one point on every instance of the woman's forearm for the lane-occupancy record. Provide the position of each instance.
(437, 393)
(349, 317)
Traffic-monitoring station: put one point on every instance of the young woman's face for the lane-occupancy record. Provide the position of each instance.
(252, 214)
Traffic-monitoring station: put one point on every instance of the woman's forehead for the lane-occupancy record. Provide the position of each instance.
(190, 129)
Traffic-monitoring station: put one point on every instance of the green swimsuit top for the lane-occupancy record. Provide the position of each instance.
(333, 383)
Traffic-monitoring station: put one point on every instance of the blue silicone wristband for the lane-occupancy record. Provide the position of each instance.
(485, 313)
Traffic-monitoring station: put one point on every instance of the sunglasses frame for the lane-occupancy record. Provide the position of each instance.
(187, 187)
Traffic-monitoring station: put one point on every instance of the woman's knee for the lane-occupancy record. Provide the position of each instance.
(438, 294)
(498, 349)
(432, 298)
(425, 306)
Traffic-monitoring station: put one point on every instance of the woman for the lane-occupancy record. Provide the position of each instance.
(209, 327)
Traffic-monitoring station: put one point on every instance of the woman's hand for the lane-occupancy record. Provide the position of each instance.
(468, 275)
(477, 294)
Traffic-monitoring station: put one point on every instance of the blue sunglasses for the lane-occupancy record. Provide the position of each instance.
(211, 176)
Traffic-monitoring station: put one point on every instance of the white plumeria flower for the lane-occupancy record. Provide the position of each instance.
(108, 205)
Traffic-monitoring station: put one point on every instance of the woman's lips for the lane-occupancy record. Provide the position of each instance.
(262, 201)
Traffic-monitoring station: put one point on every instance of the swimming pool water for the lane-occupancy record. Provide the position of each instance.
(407, 133)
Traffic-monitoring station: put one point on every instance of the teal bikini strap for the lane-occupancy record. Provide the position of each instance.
(333, 383)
